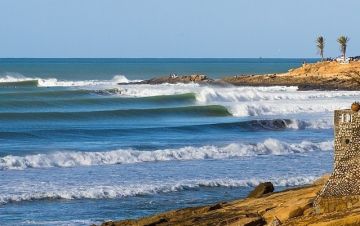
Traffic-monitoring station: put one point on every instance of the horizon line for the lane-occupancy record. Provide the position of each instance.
(160, 58)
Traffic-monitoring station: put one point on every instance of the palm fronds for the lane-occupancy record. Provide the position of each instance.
(343, 41)
(320, 44)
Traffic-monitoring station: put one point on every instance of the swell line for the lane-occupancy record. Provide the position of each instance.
(86, 102)
(195, 111)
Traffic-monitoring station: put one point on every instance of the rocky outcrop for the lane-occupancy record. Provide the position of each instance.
(261, 189)
(318, 76)
(173, 79)
(289, 207)
(322, 76)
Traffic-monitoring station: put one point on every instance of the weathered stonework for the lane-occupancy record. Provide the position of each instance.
(342, 190)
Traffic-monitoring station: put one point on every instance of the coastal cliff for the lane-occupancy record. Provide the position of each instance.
(289, 207)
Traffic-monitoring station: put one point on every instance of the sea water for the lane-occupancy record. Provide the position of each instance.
(77, 148)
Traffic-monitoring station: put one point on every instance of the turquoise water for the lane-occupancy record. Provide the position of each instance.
(77, 148)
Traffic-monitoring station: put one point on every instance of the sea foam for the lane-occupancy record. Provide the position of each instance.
(252, 101)
(126, 156)
(53, 82)
(118, 191)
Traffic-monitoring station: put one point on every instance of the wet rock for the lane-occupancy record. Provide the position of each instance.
(261, 189)
(173, 79)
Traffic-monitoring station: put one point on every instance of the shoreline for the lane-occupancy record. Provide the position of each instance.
(317, 76)
(293, 206)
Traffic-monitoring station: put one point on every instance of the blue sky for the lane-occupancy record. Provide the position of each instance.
(175, 28)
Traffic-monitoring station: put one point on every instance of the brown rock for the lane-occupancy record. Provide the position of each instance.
(289, 207)
(215, 207)
(261, 189)
(160, 221)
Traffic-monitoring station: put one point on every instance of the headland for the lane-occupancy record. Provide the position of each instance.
(327, 75)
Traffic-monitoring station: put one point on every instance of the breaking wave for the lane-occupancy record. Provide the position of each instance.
(127, 156)
(53, 82)
(260, 101)
(241, 94)
(284, 108)
(210, 94)
(118, 191)
(252, 101)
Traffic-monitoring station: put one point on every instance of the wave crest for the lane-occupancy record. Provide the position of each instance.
(109, 192)
(73, 159)
(19, 80)
(272, 93)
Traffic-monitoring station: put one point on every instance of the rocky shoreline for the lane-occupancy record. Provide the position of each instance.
(318, 76)
(289, 207)
(263, 206)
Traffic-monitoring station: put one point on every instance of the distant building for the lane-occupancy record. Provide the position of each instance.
(341, 60)
(342, 190)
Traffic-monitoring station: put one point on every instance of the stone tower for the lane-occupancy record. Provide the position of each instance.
(342, 190)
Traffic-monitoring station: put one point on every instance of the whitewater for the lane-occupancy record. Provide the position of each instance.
(91, 145)
(72, 159)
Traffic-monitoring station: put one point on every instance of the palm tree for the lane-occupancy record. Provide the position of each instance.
(343, 41)
(320, 44)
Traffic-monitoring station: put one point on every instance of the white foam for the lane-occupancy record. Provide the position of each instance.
(15, 78)
(311, 124)
(259, 101)
(234, 150)
(241, 94)
(213, 94)
(240, 101)
(51, 191)
(53, 82)
(287, 107)
(253, 101)
(60, 223)
(145, 90)
(121, 79)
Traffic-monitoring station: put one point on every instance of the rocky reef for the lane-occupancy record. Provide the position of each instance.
(173, 79)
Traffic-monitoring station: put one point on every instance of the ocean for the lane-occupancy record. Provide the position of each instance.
(77, 148)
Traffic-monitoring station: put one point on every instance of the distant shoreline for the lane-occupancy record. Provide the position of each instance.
(317, 76)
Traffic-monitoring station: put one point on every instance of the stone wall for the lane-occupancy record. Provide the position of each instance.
(342, 190)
